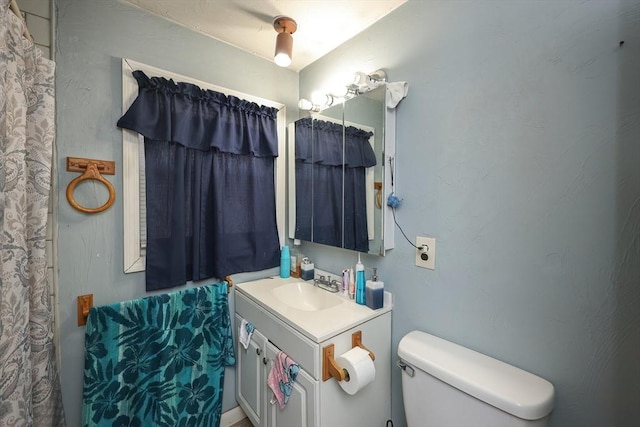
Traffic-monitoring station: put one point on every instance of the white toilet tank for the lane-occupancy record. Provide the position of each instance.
(447, 385)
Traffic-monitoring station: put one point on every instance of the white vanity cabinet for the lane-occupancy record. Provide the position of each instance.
(251, 375)
(254, 395)
(301, 406)
(313, 402)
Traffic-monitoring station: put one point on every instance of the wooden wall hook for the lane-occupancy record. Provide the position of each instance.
(85, 302)
(229, 281)
(92, 169)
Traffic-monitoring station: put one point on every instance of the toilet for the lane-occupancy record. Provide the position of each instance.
(447, 385)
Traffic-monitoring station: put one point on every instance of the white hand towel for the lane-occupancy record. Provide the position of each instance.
(246, 330)
(397, 91)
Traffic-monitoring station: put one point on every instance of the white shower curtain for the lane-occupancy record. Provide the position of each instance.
(29, 383)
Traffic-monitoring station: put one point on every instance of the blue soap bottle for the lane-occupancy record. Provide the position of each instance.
(360, 282)
(285, 262)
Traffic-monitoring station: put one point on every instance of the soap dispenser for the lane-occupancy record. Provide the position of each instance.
(296, 259)
(375, 292)
(306, 269)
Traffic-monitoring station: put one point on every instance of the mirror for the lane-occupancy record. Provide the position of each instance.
(338, 160)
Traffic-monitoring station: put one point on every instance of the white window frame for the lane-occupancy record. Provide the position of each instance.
(134, 254)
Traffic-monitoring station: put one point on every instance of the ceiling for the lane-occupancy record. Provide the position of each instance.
(248, 24)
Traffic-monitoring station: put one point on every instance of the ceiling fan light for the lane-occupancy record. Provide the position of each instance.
(284, 49)
(282, 60)
(284, 26)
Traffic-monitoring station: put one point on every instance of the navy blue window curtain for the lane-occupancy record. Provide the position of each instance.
(330, 157)
(209, 161)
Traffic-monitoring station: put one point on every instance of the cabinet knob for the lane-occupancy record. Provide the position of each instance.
(258, 351)
(265, 360)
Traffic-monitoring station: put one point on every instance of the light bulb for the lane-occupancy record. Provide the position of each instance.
(282, 60)
(360, 79)
(318, 98)
(321, 99)
(305, 104)
(340, 91)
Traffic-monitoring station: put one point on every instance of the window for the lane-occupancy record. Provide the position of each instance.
(133, 164)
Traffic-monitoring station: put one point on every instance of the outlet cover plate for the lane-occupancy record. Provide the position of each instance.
(431, 252)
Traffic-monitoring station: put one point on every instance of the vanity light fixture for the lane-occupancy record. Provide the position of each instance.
(284, 26)
(361, 83)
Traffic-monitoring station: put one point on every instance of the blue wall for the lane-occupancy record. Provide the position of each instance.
(92, 37)
(518, 148)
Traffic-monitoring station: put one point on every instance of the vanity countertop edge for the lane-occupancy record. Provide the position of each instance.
(318, 326)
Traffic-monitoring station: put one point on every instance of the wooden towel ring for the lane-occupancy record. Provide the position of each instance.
(90, 172)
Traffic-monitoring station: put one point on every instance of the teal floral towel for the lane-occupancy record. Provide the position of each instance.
(158, 361)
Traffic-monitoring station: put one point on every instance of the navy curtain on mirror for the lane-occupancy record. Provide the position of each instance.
(322, 166)
(209, 162)
(304, 179)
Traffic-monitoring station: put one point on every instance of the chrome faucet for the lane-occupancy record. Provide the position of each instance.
(326, 283)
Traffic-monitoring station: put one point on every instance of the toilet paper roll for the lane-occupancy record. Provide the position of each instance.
(360, 367)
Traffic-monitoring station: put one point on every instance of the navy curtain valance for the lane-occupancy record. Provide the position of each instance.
(201, 119)
(210, 191)
(327, 145)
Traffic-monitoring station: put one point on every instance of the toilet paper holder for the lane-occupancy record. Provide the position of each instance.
(331, 368)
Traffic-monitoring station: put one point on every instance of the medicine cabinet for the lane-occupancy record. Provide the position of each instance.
(335, 197)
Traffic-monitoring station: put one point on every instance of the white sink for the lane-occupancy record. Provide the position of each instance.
(305, 297)
(312, 311)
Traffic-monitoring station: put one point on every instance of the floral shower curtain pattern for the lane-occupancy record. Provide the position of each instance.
(29, 383)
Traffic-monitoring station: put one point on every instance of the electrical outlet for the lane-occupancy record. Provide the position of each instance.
(426, 252)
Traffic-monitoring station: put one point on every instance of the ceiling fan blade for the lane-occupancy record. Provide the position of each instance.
(259, 14)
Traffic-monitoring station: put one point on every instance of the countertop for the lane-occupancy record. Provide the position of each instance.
(317, 325)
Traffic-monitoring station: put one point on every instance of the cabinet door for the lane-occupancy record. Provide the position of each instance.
(250, 376)
(301, 409)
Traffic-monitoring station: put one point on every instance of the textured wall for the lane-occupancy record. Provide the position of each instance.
(518, 148)
(92, 38)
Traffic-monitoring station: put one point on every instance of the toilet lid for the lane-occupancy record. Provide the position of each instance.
(511, 389)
